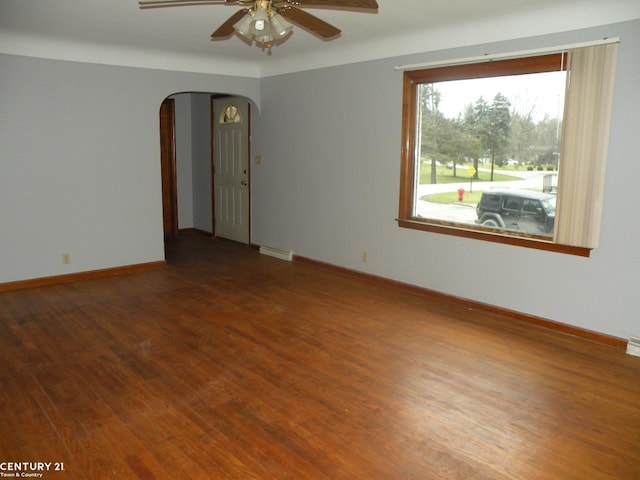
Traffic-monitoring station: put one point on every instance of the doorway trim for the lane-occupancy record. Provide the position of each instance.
(168, 166)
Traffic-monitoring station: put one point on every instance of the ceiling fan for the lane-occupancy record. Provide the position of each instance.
(267, 21)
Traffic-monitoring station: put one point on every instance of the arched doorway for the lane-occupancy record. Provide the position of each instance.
(206, 177)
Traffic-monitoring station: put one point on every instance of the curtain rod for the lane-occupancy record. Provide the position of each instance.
(502, 56)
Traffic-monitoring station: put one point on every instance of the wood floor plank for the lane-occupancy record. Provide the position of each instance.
(227, 364)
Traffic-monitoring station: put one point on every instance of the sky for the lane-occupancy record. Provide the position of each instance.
(539, 93)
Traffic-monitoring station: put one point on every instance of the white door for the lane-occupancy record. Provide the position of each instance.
(231, 168)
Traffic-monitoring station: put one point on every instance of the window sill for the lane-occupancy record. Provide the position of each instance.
(461, 231)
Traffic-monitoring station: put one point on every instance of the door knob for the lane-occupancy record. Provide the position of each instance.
(244, 183)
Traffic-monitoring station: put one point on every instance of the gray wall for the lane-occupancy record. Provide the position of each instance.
(79, 162)
(329, 183)
(193, 160)
(184, 159)
(201, 174)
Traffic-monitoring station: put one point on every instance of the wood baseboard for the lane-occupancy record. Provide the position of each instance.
(598, 337)
(73, 277)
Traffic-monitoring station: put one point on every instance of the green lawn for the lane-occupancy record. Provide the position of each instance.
(451, 197)
(445, 175)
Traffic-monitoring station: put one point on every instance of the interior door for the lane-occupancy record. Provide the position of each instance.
(231, 168)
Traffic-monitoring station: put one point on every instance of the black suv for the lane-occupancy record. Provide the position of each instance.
(518, 210)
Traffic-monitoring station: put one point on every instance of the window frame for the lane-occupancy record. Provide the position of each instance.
(411, 80)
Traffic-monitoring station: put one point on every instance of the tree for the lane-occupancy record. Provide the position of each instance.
(499, 128)
(443, 140)
(457, 143)
(546, 142)
(430, 123)
(476, 119)
(523, 132)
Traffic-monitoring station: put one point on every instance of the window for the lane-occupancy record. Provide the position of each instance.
(230, 114)
(486, 147)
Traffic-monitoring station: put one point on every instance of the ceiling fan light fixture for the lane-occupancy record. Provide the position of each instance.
(266, 40)
(280, 26)
(261, 23)
(243, 26)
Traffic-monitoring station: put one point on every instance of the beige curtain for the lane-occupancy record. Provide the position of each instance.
(585, 141)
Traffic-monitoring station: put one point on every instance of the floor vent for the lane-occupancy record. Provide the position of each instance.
(633, 347)
(274, 252)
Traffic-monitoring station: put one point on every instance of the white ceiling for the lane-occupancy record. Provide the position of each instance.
(118, 32)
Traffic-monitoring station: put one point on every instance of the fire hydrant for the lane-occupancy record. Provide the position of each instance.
(460, 194)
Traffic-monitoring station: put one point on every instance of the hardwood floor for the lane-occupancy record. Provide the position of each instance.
(227, 364)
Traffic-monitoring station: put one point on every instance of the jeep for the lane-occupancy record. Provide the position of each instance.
(517, 210)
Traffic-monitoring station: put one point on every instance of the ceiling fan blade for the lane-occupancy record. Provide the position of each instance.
(309, 22)
(365, 4)
(175, 3)
(226, 28)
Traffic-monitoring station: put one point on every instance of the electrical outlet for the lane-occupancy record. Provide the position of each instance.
(365, 256)
(66, 258)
